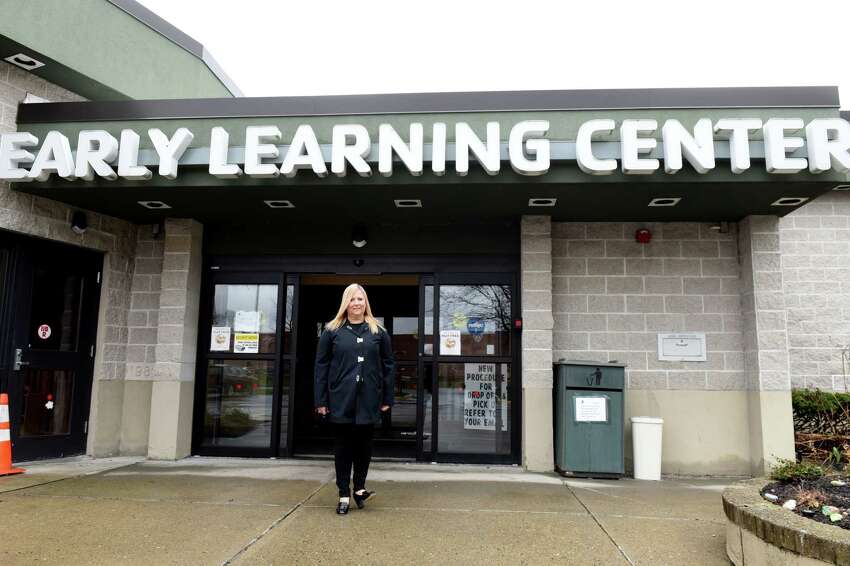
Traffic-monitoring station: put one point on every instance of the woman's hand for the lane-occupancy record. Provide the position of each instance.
(322, 410)
(385, 408)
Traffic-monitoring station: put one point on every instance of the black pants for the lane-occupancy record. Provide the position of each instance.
(352, 445)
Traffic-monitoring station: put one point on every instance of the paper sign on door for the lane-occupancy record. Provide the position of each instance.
(246, 343)
(449, 342)
(220, 339)
(246, 321)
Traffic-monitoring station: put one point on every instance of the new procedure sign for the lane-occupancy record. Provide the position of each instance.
(787, 146)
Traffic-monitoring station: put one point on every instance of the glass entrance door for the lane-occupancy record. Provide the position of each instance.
(473, 351)
(455, 346)
(54, 298)
(394, 300)
(242, 400)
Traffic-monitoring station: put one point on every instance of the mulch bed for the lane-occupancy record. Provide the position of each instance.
(812, 496)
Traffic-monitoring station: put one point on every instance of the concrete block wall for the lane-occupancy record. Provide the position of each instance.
(612, 296)
(815, 246)
(144, 303)
(771, 428)
(536, 284)
(172, 392)
(143, 322)
(44, 218)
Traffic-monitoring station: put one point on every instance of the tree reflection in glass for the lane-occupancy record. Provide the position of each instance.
(480, 315)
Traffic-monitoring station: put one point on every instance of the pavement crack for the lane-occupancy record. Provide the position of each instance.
(601, 526)
(71, 477)
(276, 522)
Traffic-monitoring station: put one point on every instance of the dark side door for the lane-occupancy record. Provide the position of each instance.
(49, 311)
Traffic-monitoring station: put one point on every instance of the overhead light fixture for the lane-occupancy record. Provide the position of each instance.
(279, 203)
(359, 236)
(664, 201)
(79, 222)
(841, 188)
(542, 201)
(790, 201)
(408, 203)
(24, 61)
(154, 204)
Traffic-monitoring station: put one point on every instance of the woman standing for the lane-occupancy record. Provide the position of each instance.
(355, 372)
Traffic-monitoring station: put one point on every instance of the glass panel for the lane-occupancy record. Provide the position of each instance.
(55, 309)
(244, 319)
(239, 403)
(284, 405)
(287, 323)
(48, 396)
(404, 407)
(428, 418)
(475, 408)
(405, 337)
(475, 320)
(428, 343)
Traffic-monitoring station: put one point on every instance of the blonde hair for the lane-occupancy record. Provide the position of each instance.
(342, 314)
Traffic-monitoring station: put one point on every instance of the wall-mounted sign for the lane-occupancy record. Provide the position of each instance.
(682, 347)
(633, 146)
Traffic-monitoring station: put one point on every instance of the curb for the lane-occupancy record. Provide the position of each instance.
(747, 510)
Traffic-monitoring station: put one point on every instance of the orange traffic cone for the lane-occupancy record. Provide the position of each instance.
(6, 468)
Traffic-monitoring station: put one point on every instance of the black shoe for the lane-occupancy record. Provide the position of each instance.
(361, 499)
(342, 508)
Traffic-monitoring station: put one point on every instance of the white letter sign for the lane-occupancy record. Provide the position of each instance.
(632, 147)
(528, 150)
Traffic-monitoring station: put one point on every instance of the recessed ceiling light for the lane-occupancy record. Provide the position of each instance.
(154, 204)
(665, 201)
(279, 203)
(542, 201)
(790, 201)
(841, 188)
(408, 203)
(23, 61)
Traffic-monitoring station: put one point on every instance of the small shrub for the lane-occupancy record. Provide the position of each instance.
(823, 412)
(810, 498)
(836, 457)
(788, 470)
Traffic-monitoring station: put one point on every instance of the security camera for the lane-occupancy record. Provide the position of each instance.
(359, 236)
(79, 222)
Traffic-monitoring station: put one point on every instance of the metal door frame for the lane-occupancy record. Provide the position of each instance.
(205, 355)
(514, 360)
(432, 270)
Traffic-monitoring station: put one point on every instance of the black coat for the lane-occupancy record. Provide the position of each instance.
(355, 374)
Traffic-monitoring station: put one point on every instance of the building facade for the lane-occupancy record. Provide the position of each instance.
(167, 263)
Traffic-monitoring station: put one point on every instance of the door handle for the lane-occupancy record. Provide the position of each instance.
(19, 363)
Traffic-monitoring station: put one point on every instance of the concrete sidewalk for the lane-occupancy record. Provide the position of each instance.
(237, 511)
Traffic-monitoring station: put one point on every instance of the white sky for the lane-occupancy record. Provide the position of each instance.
(282, 48)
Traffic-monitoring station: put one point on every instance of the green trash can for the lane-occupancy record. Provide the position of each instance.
(589, 418)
